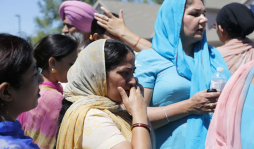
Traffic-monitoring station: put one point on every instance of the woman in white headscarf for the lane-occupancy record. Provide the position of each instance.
(98, 82)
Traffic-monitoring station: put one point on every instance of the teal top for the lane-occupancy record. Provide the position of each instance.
(247, 121)
(167, 43)
(168, 87)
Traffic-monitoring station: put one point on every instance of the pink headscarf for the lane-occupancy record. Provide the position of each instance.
(79, 14)
(237, 52)
(224, 130)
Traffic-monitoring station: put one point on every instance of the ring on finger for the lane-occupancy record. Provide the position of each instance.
(211, 105)
(107, 19)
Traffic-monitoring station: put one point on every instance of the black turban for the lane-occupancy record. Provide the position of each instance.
(236, 18)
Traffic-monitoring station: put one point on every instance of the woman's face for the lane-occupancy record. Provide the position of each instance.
(64, 65)
(194, 22)
(26, 97)
(121, 76)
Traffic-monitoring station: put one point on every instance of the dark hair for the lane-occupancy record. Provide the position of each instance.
(235, 34)
(189, 2)
(15, 59)
(55, 45)
(115, 52)
(96, 28)
(237, 19)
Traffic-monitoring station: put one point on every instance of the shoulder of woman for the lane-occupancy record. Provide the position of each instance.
(97, 112)
(151, 58)
(214, 49)
(211, 47)
(50, 97)
(149, 54)
(17, 143)
(100, 131)
(46, 91)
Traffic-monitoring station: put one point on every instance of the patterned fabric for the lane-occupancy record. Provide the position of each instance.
(167, 42)
(98, 122)
(87, 89)
(225, 128)
(12, 137)
(41, 123)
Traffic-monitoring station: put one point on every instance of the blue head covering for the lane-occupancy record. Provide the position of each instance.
(167, 42)
(12, 136)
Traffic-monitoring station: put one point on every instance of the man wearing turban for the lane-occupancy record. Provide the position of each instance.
(77, 18)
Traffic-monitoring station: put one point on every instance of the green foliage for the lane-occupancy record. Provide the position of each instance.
(158, 1)
(91, 2)
(50, 21)
(147, 1)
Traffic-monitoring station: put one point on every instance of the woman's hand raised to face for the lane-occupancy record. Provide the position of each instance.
(203, 102)
(135, 103)
(112, 24)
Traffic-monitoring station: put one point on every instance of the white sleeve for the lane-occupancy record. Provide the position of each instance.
(99, 131)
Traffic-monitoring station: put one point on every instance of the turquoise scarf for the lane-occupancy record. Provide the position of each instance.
(167, 42)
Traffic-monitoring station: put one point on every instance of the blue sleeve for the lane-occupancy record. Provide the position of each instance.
(148, 64)
(247, 122)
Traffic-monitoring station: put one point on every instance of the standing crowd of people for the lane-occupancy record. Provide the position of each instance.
(100, 86)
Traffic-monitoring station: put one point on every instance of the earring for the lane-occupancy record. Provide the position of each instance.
(53, 70)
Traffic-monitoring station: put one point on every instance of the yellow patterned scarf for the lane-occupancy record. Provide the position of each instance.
(87, 89)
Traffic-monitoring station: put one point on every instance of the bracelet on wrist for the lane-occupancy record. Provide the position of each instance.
(166, 114)
(137, 42)
(141, 125)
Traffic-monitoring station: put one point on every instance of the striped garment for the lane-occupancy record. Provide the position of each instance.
(41, 123)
